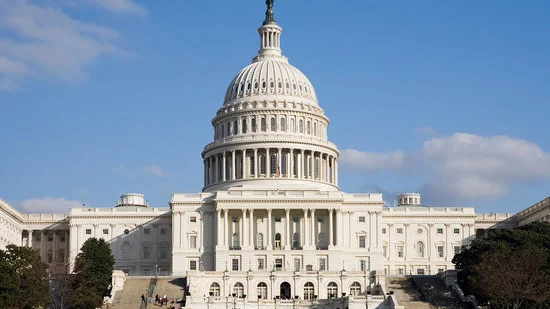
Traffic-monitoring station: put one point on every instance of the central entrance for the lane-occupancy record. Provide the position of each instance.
(285, 290)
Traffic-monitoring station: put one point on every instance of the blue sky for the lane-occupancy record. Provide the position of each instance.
(102, 97)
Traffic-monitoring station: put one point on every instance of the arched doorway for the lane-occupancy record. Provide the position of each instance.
(285, 290)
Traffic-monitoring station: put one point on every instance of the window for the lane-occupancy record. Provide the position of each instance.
(385, 251)
(355, 289)
(236, 126)
(363, 265)
(163, 231)
(193, 219)
(420, 249)
(254, 125)
(261, 264)
(243, 129)
(146, 250)
(301, 126)
(277, 219)
(62, 238)
(400, 251)
(278, 264)
(400, 271)
(440, 270)
(235, 241)
(457, 249)
(50, 238)
(456, 231)
(263, 126)
(88, 231)
(105, 231)
(295, 219)
(163, 250)
(322, 264)
(296, 241)
(283, 124)
(420, 271)
(146, 231)
(238, 290)
(440, 251)
(193, 265)
(261, 290)
(273, 125)
(439, 231)
(260, 241)
(332, 290)
(292, 125)
(235, 264)
(215, 289)
(399, 230)
(308, 127)
(383, 230)
(277, 241)
(125, 249)
(193, 241)
(297, 263)
(308, 290)
(362, 241)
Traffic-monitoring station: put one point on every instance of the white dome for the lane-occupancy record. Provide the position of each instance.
(268, 77)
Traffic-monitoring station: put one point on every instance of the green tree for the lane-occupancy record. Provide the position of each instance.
(509, 268)
(93, 271)
(23, 278)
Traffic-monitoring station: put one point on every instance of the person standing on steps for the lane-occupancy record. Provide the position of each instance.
(142, 298)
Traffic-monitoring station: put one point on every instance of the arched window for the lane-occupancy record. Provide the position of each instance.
(238, 290)
(215, 289)
(332, 290)
(262, 163)
(273, 164)
(295, 165)
(317, 166)
(308, 290)
(283, 124)
(296, 241)
(235, 127)
(228, 129)
(292, 129)
(261, 290)
(283, 165)
(260, 241)
(251, 172)
(309, 166)
(300, 126)
(308, 127)
(315, 128)
(355, 289)
(263, 126)
(235, 240)
(125, 249)
(420, 249)
(273, 124)
(278, 241)
(243, 129)
(223, 130)
(254, 125)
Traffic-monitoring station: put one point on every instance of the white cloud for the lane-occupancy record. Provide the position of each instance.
(464, 166)
(426, 130)
(371, 161)
(154, 170)
(44, 42)
(121, 6)
(48, 205)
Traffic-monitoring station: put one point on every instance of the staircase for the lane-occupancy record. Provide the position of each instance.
(172, 287)
(437, 292)
(130, 296)
(406, 294)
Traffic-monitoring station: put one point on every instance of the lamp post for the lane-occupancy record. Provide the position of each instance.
(234, 299)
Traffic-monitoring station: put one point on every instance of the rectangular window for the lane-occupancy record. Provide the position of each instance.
(193, 242)
(297, 263)
(439, 231)
(384, 231)
(362, 265)
(322, 264)
(261, 264)
(193, 219)
(362, 241)
(362, 219)
(146, 231)
(309, 267)
(105, 231)
(62, 238)
(50, 238)
(88, 231)
(399, 230)
(163, 231)
(192, 265)
(235, 264)
(400, 251)
(456, 231)
(278, 264)
(277, 219)
(420, 271)
(440, 270)
(385, 251)
(400, 271)
(440, 251)
(457, 249)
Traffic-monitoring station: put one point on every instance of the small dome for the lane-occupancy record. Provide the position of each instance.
(269, 78)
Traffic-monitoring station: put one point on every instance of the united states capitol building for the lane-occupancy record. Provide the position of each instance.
(271, 221)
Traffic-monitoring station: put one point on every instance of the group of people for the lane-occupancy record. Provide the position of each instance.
(162, 300)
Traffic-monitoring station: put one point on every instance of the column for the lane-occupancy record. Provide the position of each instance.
(251, 226)
(306, 230)
(287, 228)
(225, 227)
(406, 245)
(301, 164)
(205, 179)
(339, 228)
(210, 171)
(30, 239)
(390, 245)
(201, 231)
(224, 169)
(267, 163)
(336, 171)
(176, 230)
(233, 165)
(429, 245)
(371, 228)
(244, 169)
(269, 247)
(313, 233)
(330, 228)
(290, 165)
(255, 163)
(74, 244)
(216, 171)
(446, 240)
(242, 229)
(219, 227)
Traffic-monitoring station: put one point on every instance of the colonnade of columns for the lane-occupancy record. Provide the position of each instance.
(311, 226)
(269, 163)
